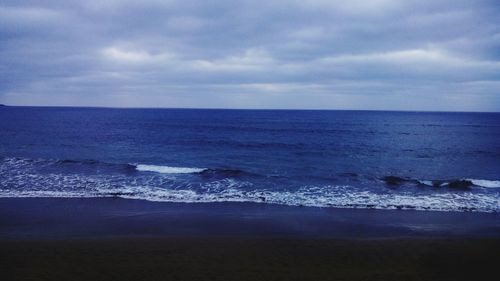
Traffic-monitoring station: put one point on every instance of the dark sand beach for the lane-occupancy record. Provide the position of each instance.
(119, 239)
(249, 259)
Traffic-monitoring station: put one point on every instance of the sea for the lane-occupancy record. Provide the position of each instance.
(429, 161)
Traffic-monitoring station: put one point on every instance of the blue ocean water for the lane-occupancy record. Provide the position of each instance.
(348, 159)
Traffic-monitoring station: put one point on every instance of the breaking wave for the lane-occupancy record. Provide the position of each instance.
(167, 169)
(486, 183)
(312, 196)
(21, 177)
(455, 183)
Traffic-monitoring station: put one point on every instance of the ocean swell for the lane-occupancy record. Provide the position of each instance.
(486, 183)
(167, 169)
(454, 183)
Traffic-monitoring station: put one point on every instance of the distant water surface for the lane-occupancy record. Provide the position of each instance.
(348, 159)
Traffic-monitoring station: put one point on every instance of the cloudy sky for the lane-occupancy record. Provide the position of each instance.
(314, 54)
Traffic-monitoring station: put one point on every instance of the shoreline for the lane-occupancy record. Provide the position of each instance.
(95, 218)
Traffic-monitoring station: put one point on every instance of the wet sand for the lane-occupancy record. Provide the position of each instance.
(118, 239)
(96, 218)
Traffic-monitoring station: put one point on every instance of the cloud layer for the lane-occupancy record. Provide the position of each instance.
(352, 54)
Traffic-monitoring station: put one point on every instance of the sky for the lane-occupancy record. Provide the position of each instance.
(310, 54)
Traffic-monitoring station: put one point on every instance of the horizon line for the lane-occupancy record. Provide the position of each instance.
(263, 109)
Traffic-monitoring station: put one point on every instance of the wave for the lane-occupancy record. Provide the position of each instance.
(310, 196)
(485, 183)
(89, 178)
(72, 161)
(203, 172)
(222, 173)
(455, 183)
(86, 165)
(167, 169)
(463, 183)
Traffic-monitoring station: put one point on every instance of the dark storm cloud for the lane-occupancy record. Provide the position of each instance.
(382, 54)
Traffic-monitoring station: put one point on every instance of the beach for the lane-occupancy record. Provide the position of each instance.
(119, 239)
(179, 194)
(249, 259)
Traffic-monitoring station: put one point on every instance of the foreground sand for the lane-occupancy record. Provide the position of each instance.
(249, 259)
(118, 239)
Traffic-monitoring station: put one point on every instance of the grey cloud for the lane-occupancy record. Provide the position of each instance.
(383, 54)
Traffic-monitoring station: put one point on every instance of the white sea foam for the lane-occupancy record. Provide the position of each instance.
(324, 196)
(167, 169)
(476, 182)
(485, 183)
(18, 178)
(425, 182)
